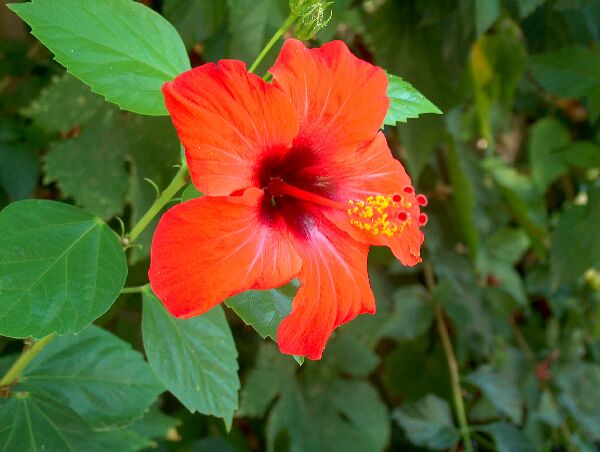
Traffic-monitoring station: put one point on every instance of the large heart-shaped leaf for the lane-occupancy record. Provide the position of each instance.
(60, 268)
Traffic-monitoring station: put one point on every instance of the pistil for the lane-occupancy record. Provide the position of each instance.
(387, 215)
(278, 188)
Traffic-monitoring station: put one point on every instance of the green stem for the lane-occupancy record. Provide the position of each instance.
(137, 289)
(459, 406)
(287, 24)
(23, 361)
(178, 181)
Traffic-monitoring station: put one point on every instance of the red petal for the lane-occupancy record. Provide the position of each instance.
(372, 170)
(226, 119)
(208, 249)
(340, 99)
(335, 289)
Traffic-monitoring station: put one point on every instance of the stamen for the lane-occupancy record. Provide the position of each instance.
(381, 214)
(387, 215)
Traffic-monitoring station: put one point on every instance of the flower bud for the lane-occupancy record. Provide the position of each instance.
(311, 17)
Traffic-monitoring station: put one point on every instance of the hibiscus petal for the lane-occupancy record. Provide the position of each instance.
(226, 119)
(371, 171)
(208, 249)
(340, 99)
(335, 289)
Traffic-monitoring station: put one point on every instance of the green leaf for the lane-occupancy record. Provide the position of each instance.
(195, 20)
(523, 199)
(90, 167)
(412, 313)
(30, 422)
(508, 438)
(269, 377)
(355, 417)
(580, 394)
(428, 423)
(568, 72)
(96, 374)
(155, 424)
(464, 198)
(576, 242)
(546, 137)
(405, 102)
(65, 104)
(123, 440)
(196, 359)
(581, 154)
(351, 355)
(121, 48)
(501, 390)
(507, 245)
(263, 310)
(60, 268)
(486, 14)
(503, 250)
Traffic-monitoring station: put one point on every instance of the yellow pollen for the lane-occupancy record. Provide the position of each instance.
(380, 214)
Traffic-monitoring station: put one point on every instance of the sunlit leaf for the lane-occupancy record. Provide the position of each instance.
(405, 102)
(122, 48)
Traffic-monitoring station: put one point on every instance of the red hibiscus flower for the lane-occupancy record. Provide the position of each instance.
(298, 183)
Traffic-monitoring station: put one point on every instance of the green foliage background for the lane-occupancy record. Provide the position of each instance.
(511, 259)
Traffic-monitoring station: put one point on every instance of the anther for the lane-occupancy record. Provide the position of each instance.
(422, 200)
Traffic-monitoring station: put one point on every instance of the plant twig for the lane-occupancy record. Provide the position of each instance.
(13, 374)
(137, 289)
(287, 24)
(176, 184)
(459, 406)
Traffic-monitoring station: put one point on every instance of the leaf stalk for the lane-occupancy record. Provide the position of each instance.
(12, 376)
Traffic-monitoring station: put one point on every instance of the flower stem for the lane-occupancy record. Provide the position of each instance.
(178, 181)
(137, 289)
(287, 24)
(23, 361)
(459, 406)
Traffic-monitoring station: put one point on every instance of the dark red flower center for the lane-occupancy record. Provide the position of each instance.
(293, 182)
(297, 190)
